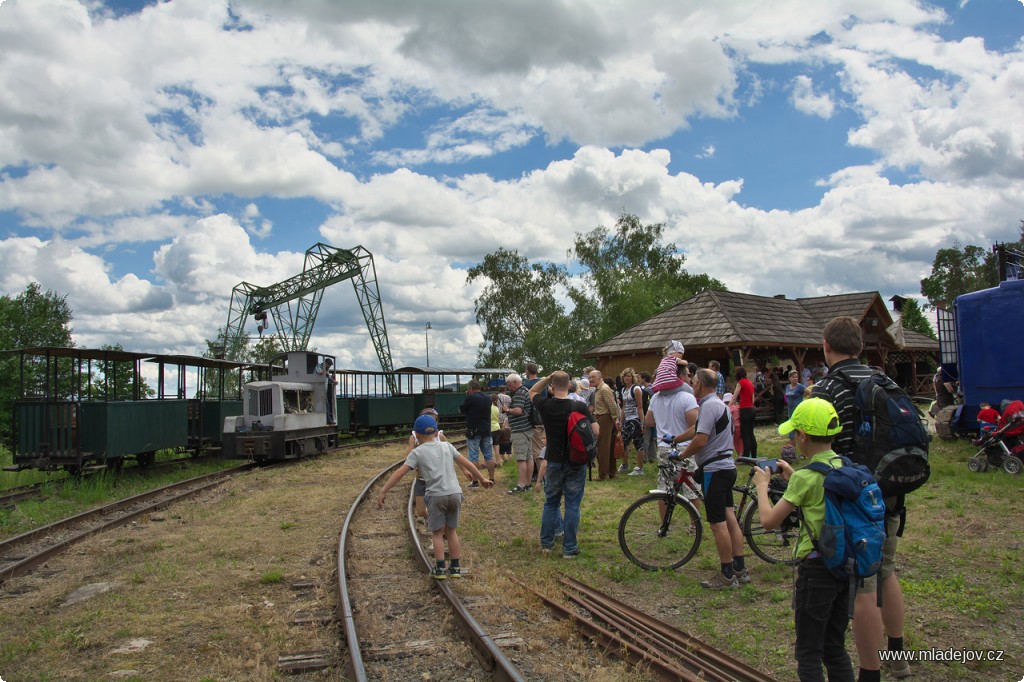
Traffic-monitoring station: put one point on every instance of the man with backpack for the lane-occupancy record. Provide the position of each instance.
(843, 343)
(821, 599)
(564, 479)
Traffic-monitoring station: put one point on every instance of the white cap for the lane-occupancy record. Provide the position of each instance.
(675, 347)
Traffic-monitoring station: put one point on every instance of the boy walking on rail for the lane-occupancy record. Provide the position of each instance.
(821, 609)
(435, 461)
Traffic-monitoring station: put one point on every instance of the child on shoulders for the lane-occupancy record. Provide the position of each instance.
(821, 611)
(666, 378)
(435, 461)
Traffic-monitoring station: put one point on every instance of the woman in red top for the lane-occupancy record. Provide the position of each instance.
(743, 395)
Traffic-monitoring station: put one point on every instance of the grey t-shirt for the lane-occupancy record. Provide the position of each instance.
(435, 462)
(714, 420)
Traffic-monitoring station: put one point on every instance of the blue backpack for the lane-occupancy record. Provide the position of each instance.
(850, 542)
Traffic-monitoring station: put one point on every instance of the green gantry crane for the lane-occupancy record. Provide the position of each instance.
(295, 302)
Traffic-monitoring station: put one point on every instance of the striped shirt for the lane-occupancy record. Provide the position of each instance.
(837, 392)
(520, 399)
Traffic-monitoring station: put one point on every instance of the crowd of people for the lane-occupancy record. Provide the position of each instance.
(681, 415)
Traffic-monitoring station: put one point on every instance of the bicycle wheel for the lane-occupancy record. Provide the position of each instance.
(774, 546)
(655, 543)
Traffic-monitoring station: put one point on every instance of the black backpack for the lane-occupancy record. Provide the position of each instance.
(889, 434)
(535, 418)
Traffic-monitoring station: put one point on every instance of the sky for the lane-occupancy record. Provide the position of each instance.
(155, 155)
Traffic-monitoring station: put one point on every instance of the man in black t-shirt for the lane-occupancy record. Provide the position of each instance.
(563, 479)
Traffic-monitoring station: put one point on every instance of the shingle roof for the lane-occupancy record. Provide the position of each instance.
(728, 318)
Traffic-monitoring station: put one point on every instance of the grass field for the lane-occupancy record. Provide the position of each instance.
(959, 564)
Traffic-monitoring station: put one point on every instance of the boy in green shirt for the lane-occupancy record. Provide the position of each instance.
(820, 600)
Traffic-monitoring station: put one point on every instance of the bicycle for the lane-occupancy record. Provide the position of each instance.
(653, 538)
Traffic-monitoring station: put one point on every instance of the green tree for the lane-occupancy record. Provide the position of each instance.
(32, 318)
(629, 275)
(116, 381)
(212, 377)
(912, 318)
(519, 312)
(958, 270)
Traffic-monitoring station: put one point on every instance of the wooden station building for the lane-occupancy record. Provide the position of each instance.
(744, 329)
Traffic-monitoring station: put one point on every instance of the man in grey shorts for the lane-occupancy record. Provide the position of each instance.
(522, 432)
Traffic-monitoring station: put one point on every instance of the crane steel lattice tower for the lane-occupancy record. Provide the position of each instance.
(295, 302)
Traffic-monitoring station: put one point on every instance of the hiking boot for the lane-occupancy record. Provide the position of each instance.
(742, 577)
(637, 471)
(720, 582)
(454, 571)
(623, 468)
(438, 573)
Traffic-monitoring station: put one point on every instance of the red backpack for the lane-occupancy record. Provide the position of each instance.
(582, 441)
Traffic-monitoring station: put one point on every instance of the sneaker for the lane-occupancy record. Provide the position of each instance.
(624, 468)
(637, 471)
(898, 669)
(570, 555)
(438, 573)
(454, 571)
(720, 582)
(545, 550)
(474, 484)
(742, 577)
(518, 489)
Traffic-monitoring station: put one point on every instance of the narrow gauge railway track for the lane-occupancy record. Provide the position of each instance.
(21, 553)
(668, 652)
(33, 491)
(392, 611)
(12, 496)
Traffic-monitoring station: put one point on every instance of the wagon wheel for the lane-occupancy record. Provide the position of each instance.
(1012, 464)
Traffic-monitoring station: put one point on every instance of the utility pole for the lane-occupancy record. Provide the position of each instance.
(426, 334)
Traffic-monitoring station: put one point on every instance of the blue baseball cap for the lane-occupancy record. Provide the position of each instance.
(425, 424)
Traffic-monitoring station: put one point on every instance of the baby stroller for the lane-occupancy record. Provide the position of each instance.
(1004, 447)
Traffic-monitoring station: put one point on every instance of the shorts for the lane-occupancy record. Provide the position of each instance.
(718, 493)
(668, 472)
(538, 440)
(522, 445)
(892, 524)
(443, 511)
